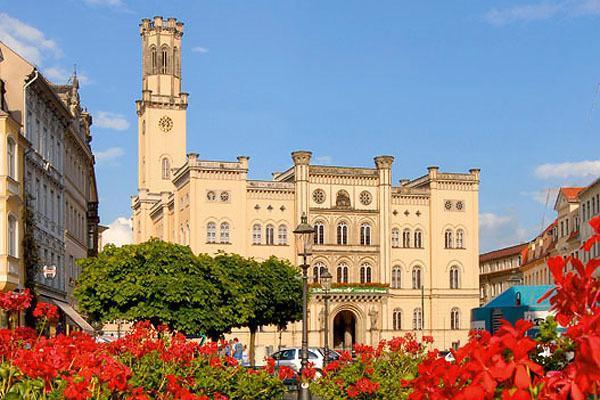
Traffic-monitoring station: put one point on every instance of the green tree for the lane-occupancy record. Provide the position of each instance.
(275, 291)
(161, 282)
(31, 259)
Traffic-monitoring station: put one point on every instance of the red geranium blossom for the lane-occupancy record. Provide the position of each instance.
(46, 310)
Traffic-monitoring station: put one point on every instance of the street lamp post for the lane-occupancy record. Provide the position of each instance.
(304, 241)
(326, 286)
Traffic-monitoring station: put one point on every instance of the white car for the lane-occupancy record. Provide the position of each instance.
(290, 357)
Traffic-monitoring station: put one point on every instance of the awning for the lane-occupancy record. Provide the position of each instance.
(74, 315)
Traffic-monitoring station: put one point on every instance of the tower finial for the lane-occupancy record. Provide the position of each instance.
(74, 80)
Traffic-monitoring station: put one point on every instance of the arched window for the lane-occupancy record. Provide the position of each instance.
(365, 273)
(282, 234)
(395, 237)
(12, 236)
(397, 319)
(455, 319)
(11, 158)
(454, 277)
(224, 232)
(416, 278)
(448, 239)
(187, 233)
(342, 233)
(166, 168)
(270, 234)
(342, 273)
(211, 232)
(365, 234)
(418, 239)
(318, 270)
(153, 60)
(256, 234)
(460, 239)
(417, 319)
(164, 60)
(406, 238)
(319, 233)
(396, 277)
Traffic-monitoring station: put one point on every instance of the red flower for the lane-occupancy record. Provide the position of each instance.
(309, 372)
(138, 394)
(77, 390)
(15, 300)
(286, 373)
(47, 311)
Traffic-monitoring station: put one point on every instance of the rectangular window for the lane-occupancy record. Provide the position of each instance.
(12, 236)
(45, 200)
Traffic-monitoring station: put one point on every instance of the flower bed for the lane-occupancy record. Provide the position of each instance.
(146, 364)
(157, 364)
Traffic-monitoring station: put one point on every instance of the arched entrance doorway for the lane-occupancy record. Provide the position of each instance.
(344, 330)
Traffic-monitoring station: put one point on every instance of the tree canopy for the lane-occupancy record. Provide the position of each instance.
(166, 283)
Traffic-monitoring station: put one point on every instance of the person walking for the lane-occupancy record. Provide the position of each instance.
(238, 350)
(227, 348)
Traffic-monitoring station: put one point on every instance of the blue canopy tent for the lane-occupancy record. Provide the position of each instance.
(516, 302)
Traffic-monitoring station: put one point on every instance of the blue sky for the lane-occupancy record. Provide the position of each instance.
(512, 88)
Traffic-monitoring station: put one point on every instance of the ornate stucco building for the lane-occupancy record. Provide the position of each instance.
(55, 170)
(589, 200)
(381, 242)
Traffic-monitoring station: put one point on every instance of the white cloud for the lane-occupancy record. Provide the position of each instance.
(27, 40)
(543, 10)
(580, 169)
(324, 160)
(108, 120)
(525, 12)
(200, 49)
(497, 231)
(119, 232)
(62, 75)
(543, 196)
(109, 156)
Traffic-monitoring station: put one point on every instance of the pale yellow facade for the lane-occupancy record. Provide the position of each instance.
(380, 241)
(499, 270)
(12, 146)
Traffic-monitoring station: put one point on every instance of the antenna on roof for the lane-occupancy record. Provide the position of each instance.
(545, 208)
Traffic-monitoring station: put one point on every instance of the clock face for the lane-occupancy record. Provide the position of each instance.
(448, 204)
(165, 123)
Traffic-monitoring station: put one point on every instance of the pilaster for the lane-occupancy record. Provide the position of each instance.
(384, 169)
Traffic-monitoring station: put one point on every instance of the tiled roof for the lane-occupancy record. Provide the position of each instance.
(571, 193)
(501, 253)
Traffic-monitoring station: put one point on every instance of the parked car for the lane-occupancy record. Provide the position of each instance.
(290, 357)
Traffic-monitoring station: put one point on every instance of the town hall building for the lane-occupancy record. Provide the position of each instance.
(404, 258)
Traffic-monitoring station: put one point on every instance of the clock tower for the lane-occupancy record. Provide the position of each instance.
(161, 110)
